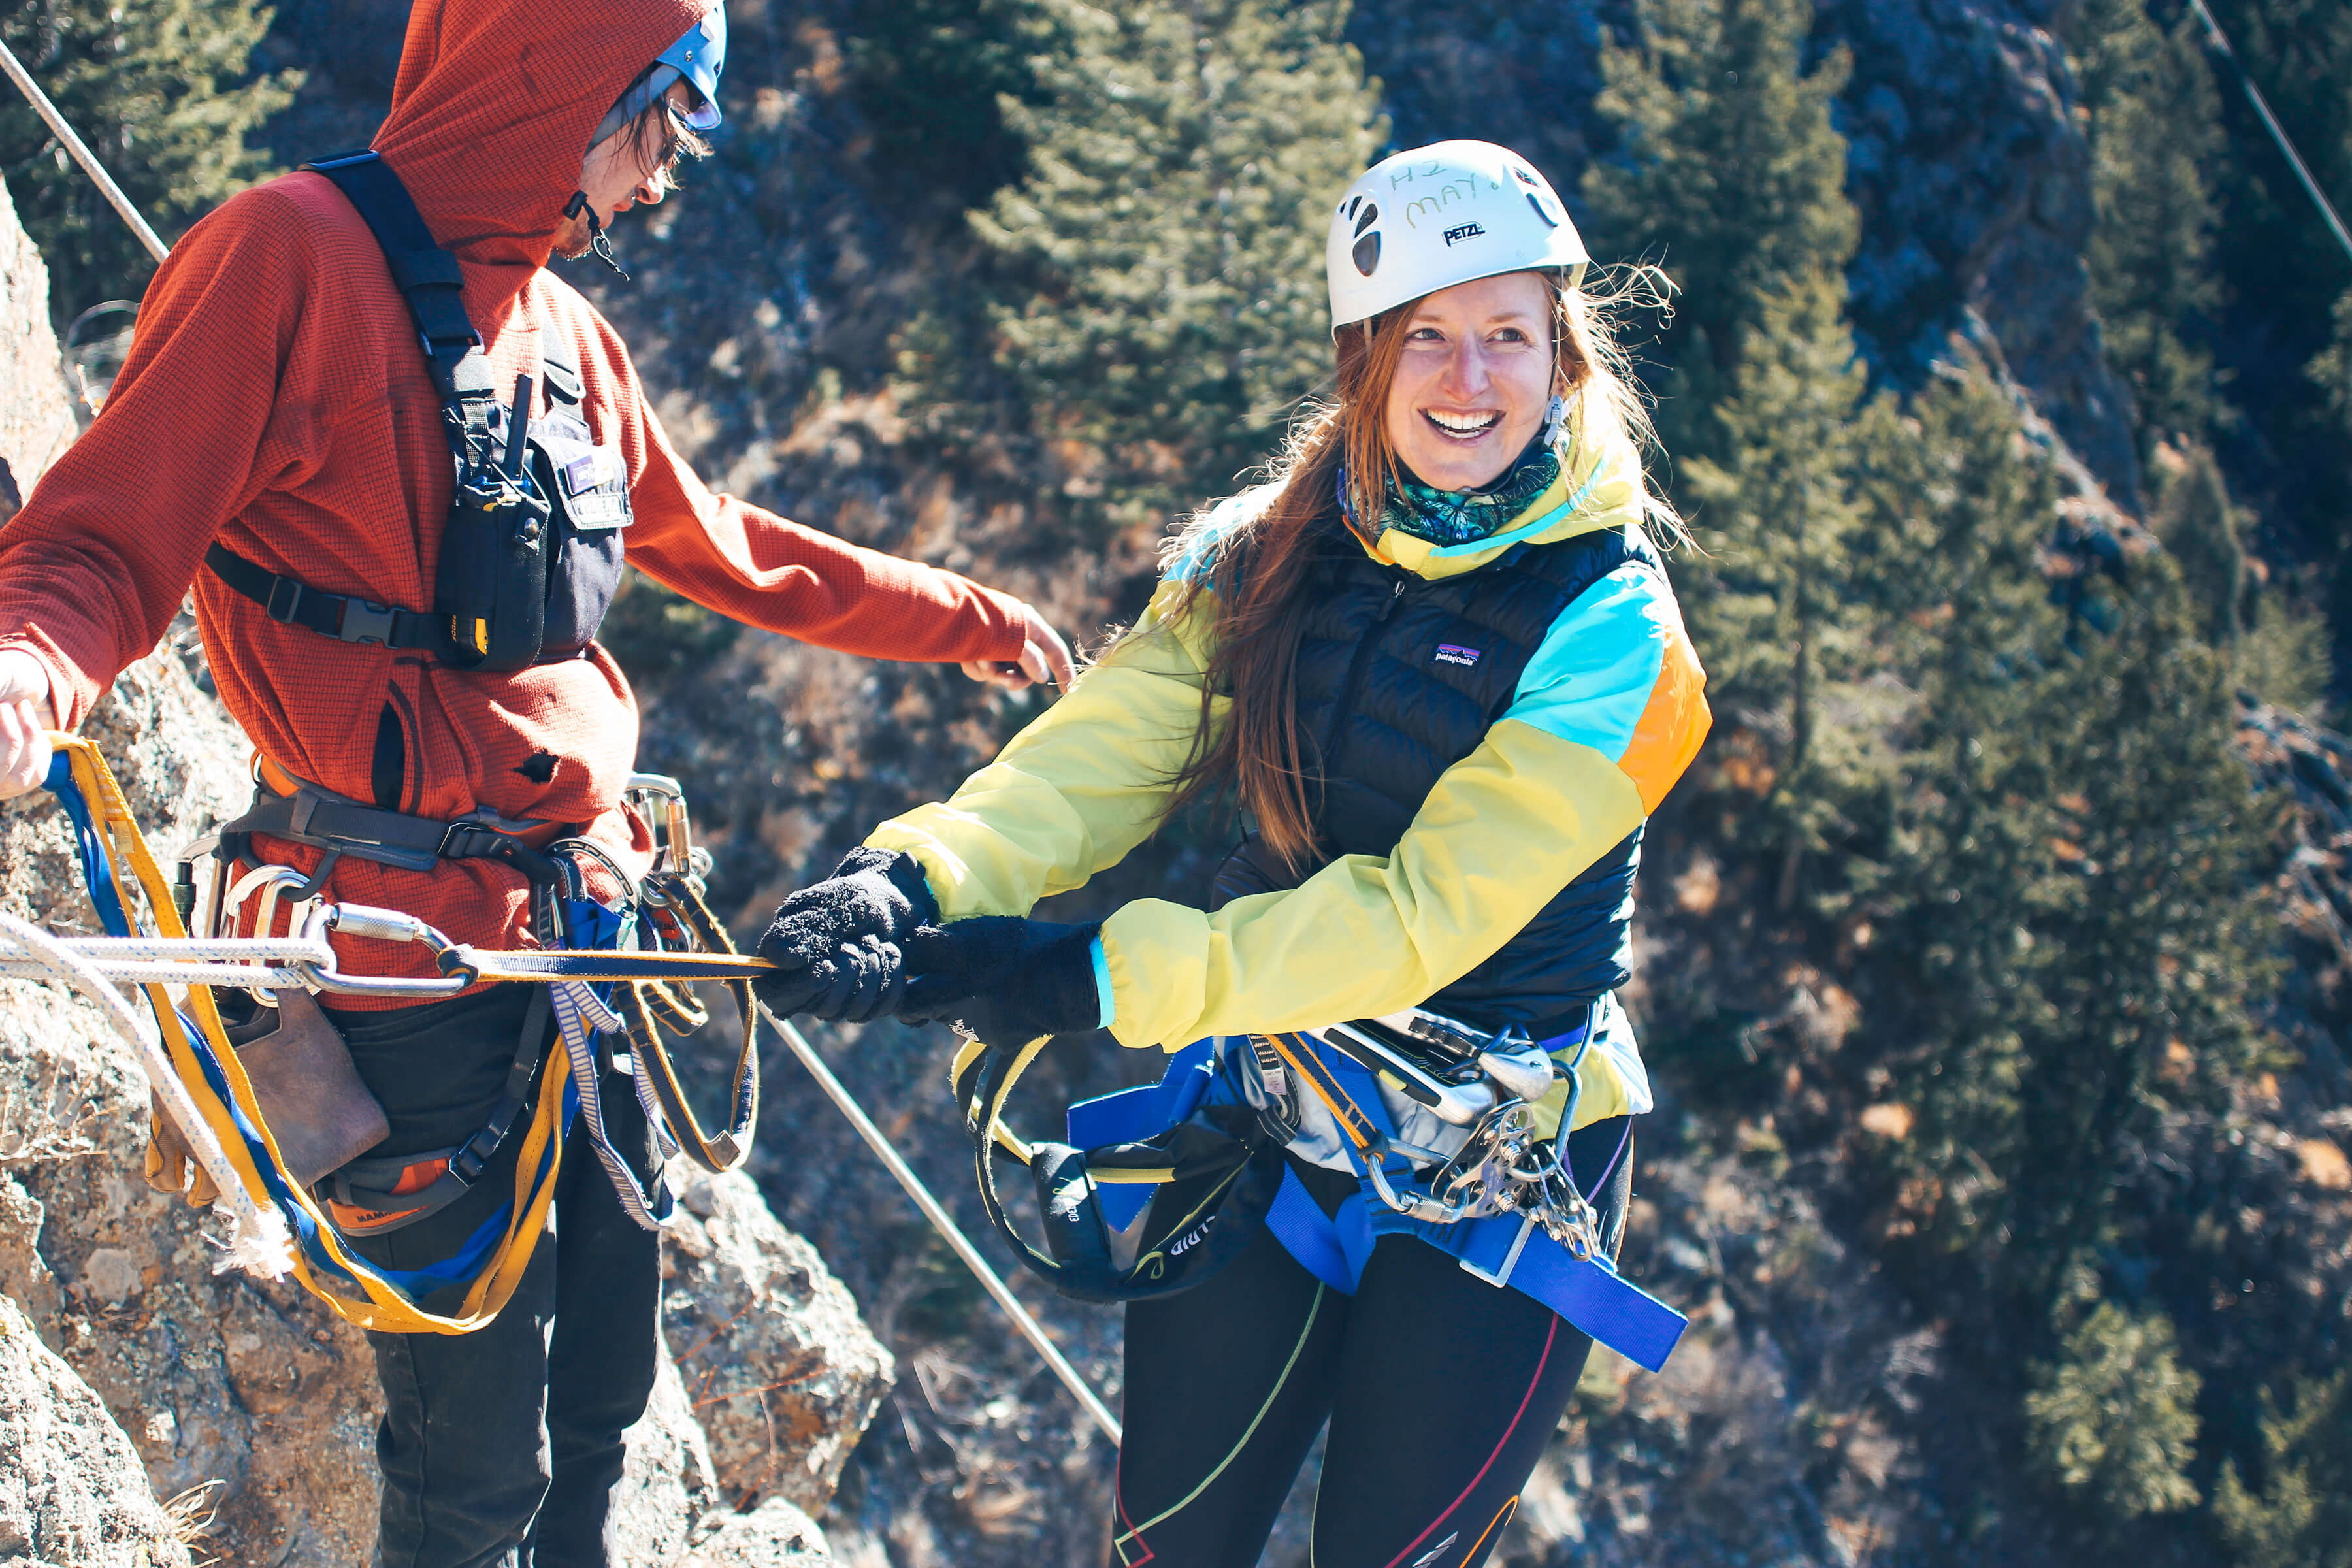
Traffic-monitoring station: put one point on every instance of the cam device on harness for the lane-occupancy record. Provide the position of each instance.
(1158, 1186)
(531, 553)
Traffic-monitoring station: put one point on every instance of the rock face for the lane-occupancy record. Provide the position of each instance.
(37, 417)
(781, 1370)
(773, 1535)
(71, 1490)
(1974, 184)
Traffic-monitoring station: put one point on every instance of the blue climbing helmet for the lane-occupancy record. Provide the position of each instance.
(697, 58)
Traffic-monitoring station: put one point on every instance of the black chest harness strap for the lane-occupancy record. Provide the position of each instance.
(491, 589)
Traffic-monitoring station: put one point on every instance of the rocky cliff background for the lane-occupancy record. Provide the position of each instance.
(1993, 955)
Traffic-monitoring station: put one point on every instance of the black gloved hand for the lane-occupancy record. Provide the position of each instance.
(836, 943)
(1005, 979)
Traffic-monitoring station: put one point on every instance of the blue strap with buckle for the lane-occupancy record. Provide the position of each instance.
(1502, 1249)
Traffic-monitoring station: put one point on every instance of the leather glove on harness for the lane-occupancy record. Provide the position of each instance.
(837, 942)
(1005, 979)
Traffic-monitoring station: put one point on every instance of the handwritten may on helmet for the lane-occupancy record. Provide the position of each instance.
(1448, 213)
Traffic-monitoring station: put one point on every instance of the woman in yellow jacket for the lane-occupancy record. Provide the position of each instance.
(1438, 661)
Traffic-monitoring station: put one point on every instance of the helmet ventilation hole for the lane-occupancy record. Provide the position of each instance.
(1367, 254)
(1537, 202)
(1371, 215)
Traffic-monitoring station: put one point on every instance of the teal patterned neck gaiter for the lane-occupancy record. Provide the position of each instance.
(1461, 517)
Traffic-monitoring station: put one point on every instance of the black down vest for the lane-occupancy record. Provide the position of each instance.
(1382, 714)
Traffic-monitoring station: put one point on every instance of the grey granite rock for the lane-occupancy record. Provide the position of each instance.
(783, 1371)
(71, 1489)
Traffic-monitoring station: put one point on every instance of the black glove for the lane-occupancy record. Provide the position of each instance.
(1005, 979)
(835, 943)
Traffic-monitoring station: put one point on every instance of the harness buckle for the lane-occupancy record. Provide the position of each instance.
(472, 841)
(284, 599)
(363, 622)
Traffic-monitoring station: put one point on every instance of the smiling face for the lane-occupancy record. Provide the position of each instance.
(1473, 380)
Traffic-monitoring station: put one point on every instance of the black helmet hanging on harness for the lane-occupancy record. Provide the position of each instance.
(1206, 1176)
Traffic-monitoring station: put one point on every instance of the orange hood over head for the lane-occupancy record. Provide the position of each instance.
(491, 114)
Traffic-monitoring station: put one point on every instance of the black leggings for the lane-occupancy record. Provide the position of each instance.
(1441, 1390)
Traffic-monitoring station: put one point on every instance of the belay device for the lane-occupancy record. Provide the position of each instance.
(531, 553)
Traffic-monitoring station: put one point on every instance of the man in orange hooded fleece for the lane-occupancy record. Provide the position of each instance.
(276, 440)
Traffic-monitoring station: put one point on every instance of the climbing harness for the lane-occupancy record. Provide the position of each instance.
(1206, 1175)
(273, 1224)
(657, 939)
(1159, 1186)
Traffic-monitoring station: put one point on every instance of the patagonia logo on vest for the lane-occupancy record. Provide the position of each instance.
(1455, 653)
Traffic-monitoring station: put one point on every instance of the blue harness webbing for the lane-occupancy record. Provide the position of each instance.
(1502, 1249)
(98, 875)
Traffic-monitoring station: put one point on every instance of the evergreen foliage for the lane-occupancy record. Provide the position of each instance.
(2204, 531)
(2298, 1513)
(931, 75)
(1162, 311)
(2161, 167)
(1769, 597)
(2068, 893)
(2153, 124)
(2282, 273)
(2115, 1416)
(1731, 176)
(165, 94)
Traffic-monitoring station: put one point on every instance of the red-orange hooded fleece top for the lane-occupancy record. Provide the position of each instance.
(277, 400)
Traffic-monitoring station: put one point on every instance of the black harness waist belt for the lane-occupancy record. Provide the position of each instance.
(328, 821)
(346, 617)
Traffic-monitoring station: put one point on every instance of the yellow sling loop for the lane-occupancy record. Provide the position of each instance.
(350, 1287)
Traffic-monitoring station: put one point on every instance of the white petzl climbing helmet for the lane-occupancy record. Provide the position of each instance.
(1417, 222)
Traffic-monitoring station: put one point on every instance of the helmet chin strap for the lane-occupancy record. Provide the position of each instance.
(599, 241)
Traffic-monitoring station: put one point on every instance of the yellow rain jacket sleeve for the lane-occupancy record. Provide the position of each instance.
(1073, 793)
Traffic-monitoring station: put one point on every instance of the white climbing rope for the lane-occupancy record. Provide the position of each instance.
(265, 961)
(257, 1240)
(74, 144)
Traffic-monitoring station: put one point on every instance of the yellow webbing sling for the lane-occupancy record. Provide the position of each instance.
(349, 1285)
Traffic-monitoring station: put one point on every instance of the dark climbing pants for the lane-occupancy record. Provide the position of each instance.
(1441, 1391)
(501, 1449)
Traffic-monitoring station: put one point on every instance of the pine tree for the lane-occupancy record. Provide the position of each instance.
(1731, 176)
(2070, 889)
(1770, 600)
(2116, 1417)
(2298, 1511)
(1953, 512)
(2154, 122)
(165, 94)
(1165, 308)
